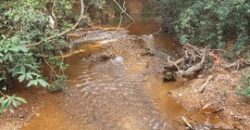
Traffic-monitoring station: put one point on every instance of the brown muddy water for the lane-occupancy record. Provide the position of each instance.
(122, 92)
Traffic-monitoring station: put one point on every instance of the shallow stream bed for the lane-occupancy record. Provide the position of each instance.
(117, 86)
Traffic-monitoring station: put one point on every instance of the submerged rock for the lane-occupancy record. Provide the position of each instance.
(118, 59)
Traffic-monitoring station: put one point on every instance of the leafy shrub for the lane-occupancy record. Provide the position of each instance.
(23, 23)
(208, 22)
(8, 102)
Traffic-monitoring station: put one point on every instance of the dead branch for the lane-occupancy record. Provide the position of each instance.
(64, 32)
(51, 68)
(124, 10)
(202, 88)
(187, 123)
(175, 64)
(62, 60)
(193, 69)
(231, 65)
(236, 65)
(121, 14)
(53, 12)
(188, 65)
(194, 59)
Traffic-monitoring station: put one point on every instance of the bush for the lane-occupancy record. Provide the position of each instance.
(23, 23)
(208, 22)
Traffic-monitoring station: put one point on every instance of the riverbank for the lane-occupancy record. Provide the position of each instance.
(218, 97)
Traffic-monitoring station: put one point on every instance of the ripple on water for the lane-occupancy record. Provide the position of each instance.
(112, 98)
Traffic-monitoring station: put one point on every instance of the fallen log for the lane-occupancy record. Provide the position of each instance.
(185, 66)
(175, 64)
(193, 69)
(169, 73)
(194, 59)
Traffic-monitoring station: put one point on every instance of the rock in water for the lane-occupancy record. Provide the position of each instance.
(118, 59)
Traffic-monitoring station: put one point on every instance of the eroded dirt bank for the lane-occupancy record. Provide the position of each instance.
(219, 97)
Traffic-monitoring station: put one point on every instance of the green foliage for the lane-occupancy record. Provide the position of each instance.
(18, 61)
(208, 22)
(25, 22)
(244, 85)
(99, 4)
(57, 85)
(9, 102)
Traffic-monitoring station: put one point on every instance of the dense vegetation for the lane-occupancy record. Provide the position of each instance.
(24, 44)
(211, 23)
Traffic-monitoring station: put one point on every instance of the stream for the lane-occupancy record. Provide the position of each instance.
(116, 85)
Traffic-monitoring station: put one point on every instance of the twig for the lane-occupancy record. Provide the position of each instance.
(50, 66)
(53, 12)
(123, 10)
(62, 60)
(187, 123)
(64, 32)
(202, 88)
(1, 93)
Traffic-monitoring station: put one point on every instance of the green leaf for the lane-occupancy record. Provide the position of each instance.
(22, 69)
(8, 57)
(19, 48)
(22, 100)
(43, 83)
(2, 78)
(7, 102)
(29, 76)
(32, 82)
(15, 104)
(21, 78)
